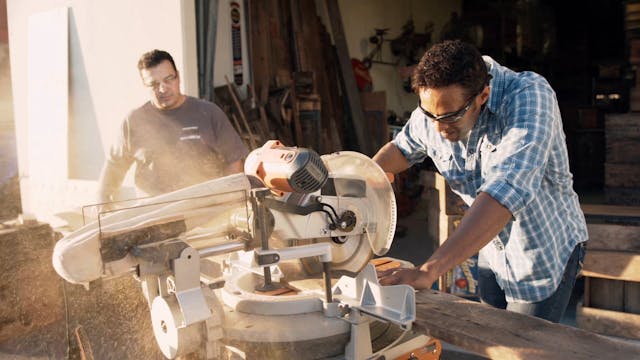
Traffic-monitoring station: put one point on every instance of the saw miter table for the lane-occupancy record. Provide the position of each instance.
(273, 263)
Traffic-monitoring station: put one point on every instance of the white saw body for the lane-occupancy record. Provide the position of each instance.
(273, 251)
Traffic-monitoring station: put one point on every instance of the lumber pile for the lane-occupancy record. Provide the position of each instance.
(612, 271)
(294, 95)
(622, 166)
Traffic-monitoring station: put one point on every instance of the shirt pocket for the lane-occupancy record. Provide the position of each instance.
(442, 159)
(488, 157)
(456, 176)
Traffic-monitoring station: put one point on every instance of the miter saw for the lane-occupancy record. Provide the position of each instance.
(244, 266)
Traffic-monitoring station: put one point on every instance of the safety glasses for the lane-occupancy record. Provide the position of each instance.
(452, 117)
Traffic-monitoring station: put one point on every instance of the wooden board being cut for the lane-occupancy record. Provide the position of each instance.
(500, 334)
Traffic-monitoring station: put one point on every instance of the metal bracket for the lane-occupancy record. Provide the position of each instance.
(394, 303)
(187, 287)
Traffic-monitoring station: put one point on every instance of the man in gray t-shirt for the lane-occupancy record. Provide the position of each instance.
(175, 140)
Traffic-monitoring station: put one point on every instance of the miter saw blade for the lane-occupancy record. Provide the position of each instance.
(354, 253)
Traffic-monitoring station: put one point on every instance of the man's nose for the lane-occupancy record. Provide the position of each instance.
(442, 126)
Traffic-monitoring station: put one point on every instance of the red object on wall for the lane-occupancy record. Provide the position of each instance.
(363, 78)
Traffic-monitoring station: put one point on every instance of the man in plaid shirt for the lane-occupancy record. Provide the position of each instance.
(496, 136)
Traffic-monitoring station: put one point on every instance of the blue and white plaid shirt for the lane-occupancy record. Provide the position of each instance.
(517, 153)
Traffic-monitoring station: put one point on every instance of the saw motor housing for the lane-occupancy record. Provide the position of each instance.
(286, 169)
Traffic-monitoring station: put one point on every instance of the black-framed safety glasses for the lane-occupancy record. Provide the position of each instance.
(451, 117)
(455, 116)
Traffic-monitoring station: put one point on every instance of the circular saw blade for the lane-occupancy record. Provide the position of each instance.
(381, 212)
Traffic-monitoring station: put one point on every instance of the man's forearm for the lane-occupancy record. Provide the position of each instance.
(481, 223)
(110, 180)
(391, 159)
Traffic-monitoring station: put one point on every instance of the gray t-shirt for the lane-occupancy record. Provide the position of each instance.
(172, 149)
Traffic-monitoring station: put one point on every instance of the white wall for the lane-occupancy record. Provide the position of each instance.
(105, 40)
(361, 17)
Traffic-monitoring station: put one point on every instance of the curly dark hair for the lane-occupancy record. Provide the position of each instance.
(153, 58)
(451, 62)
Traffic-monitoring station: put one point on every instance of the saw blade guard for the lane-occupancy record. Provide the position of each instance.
(382, 212)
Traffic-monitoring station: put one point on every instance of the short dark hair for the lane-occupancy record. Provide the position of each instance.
(153, 58)
(451, 62)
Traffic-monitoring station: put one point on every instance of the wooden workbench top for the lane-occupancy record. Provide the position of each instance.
(500, 334)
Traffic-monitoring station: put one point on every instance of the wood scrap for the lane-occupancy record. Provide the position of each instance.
(240, 112)
(251, 139)
(258, 104)
(86, 353)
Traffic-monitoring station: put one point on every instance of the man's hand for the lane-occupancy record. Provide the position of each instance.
(417, 278)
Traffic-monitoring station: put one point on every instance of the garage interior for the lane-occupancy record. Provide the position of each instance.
(332, 76)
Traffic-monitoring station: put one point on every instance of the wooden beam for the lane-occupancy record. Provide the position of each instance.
(609, 322)
(351, 89)
(501, 334)
(615, 265)
(613, 237)
(622, 175)
(611, 212)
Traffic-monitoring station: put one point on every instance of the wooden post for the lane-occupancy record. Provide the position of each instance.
(351, 89)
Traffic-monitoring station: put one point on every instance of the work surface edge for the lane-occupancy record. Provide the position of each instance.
(501, 334)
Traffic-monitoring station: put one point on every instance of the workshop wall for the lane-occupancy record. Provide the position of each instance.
(361, 17)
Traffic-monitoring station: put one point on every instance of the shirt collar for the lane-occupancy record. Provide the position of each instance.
(497, 83)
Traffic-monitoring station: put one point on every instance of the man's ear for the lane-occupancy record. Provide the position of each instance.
(484, 95)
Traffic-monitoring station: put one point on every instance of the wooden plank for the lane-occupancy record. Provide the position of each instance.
(622, 196)
(611, 210)
(279, 26)
(499, 334)
(450, 202)
(632, 297)
(622, 151)
(615, 265)
(611, 213)
(608, 322)
(606, 294)
(622, 175)
(613, 237)
(349, 80)
(374, 106)
(259, 46)
(448, 223)
(622, 125)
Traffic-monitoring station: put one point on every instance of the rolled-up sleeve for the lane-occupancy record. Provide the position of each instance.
(516, 167)
(409, 142)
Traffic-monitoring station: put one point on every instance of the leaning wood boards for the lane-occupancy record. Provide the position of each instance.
(622, 166)
(612, 271)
